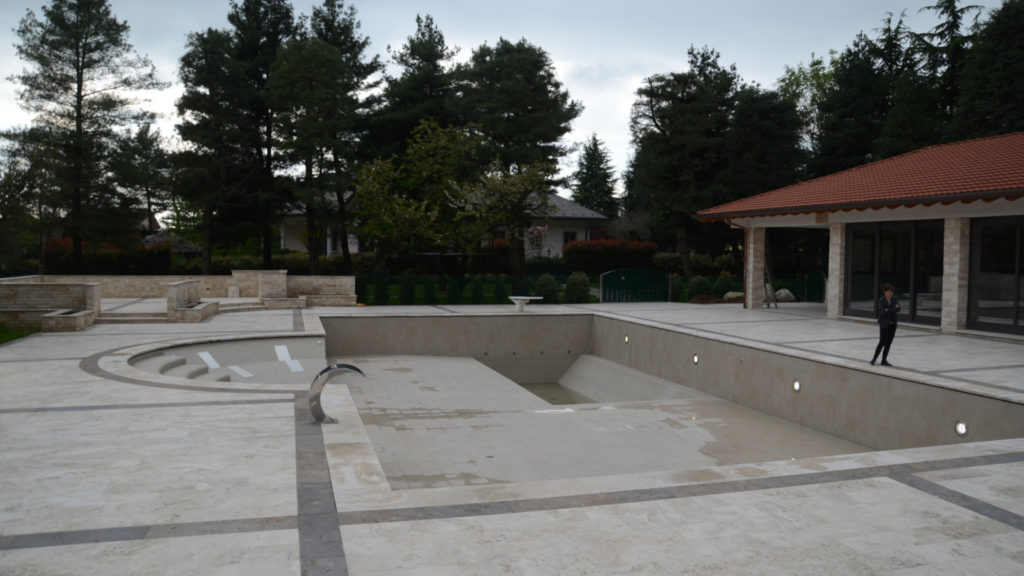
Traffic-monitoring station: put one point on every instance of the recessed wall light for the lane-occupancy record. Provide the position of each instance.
(627, 339)
(961, 428)
(796, 385)
(696, 359)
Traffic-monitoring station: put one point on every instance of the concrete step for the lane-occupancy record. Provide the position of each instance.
(216, 375)
(129, 319)
(159, 363)
(188, 371)
(225, 309)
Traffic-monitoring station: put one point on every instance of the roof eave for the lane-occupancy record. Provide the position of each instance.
(987, 195)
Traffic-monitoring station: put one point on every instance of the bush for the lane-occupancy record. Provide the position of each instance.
(678, 288)
(698, 286)
(476, 290)
(668, 262)
(455, 287)
(380, 290)
(577, 289)
(500, 292)
(362, 289)
(547, 287)
(408, 289)
(598, 256)
(725, 282)
(430, 291)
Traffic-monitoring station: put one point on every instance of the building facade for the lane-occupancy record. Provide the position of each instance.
(944, 224)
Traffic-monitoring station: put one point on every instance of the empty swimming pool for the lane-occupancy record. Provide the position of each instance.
(443, 401)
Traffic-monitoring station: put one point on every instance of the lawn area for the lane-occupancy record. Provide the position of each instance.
(7, 334)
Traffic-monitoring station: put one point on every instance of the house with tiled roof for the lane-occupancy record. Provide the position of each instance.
(563, 221)
(945, 224)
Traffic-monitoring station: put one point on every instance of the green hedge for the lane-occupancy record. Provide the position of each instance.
(598, 256)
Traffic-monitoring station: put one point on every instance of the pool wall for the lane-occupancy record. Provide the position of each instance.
(525, 348)
(865, 406)
(880, 408)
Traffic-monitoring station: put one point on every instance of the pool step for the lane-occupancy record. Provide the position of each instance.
(216, 375)
(187, 371)
(160, 363)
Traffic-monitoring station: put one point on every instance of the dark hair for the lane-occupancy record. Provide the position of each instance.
(887, 287)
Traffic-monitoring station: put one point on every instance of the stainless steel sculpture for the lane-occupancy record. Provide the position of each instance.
(318, 386)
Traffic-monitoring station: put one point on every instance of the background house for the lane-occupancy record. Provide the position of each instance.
(565, 222)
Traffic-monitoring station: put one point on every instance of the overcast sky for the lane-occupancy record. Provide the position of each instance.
(601, 49)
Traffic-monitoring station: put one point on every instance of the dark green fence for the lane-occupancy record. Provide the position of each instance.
(634, 285)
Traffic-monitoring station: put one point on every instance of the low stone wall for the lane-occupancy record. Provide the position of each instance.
(24, 303)
(134, 286)
(328, 290)
(183, 304)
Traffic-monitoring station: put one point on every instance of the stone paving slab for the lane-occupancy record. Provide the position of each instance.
(107, 475)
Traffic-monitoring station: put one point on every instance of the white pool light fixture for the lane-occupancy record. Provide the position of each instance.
(961, 428)
(796, 385)
(696, 359)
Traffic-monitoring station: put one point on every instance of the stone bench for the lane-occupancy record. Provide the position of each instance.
(520, 301)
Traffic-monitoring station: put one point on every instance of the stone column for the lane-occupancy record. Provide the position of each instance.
(273, 284)
(835, 286)
(753, 267)
(956, 259)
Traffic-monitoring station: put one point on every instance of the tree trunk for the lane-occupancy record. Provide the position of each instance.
(683, 248)
(313, 240)
(207, 225)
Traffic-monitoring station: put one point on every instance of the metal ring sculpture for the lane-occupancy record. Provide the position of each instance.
(318, 386)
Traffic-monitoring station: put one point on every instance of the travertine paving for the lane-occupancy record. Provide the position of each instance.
(105, 469)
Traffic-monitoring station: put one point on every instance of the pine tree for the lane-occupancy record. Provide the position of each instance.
(594, 179)
(80, 88)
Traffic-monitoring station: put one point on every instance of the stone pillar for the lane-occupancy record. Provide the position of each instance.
(273, 284)
(753, 268)
(956, 260)
(835, 286)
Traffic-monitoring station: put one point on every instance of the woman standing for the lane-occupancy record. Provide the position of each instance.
(887, 309)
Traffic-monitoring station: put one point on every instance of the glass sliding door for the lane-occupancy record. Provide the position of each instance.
(862, 287)
(996, 284)
(905, 254)
(927, 282)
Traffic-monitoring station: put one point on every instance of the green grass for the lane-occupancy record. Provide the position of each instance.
(7, 334)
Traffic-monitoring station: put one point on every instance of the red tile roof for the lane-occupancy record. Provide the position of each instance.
(986, 168)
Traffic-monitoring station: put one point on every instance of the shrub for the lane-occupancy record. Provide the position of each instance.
(408, 291)
(362, 289)
(577, 289)
(668, 262)
(500, 292)
(380, 290)
(520, 286)
(547, 287)
(725, 282)
(476, 290)
(430, 291)
(698, 286)
(598, 256)
(455, 287)
(678, 288)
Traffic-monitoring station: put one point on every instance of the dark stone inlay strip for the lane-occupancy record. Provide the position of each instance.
(129, 533)
(962, 500)
(89, 408)
(667, 492)
(119, 306)
(320, 549)
(91, 365)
